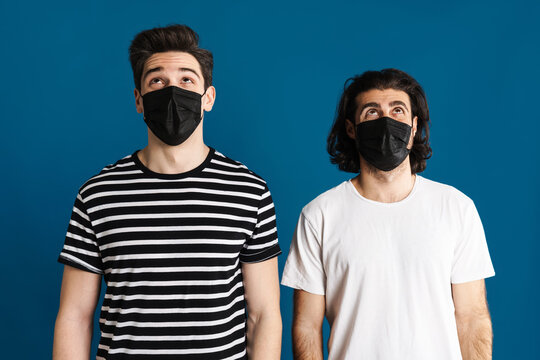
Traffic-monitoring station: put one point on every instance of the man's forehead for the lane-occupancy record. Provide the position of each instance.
(382, 97)
(172, 60)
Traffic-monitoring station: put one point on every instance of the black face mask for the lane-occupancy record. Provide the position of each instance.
(383, 142)
(172, 113)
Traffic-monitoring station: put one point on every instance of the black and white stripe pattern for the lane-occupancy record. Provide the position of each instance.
(170, 248)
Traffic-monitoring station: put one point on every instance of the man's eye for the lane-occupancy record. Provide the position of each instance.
(398, 110)
(187, 80)
(156, 81)
(371, 112)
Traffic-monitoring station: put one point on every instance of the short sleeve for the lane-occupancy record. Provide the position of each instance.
(304, 268)
(471, 255)
(80, 247)
(263, 242)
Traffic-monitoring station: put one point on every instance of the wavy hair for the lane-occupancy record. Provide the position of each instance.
(342, 148)
(170, 38)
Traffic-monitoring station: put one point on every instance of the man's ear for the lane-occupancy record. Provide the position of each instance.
(350, 128)
(414, 124)
(209, 98)
(138, 101)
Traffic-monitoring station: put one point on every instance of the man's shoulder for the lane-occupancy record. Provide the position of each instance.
(222, 164)
(122, 167)
(324, 202)
(444, 192)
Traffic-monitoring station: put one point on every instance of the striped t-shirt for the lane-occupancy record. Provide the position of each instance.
(170, 248)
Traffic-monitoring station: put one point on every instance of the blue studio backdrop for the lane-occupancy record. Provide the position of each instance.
(67, 110)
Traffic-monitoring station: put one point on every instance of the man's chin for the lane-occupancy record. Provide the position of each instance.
(389, 174)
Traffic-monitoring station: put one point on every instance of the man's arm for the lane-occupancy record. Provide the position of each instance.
(261, 287)
(473, 320)
(74, 323)
(307, 325)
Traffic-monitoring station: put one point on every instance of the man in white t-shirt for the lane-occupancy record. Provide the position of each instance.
(396, 262)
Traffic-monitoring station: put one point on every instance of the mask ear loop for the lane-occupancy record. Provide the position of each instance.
(413, 134)
(202, 111)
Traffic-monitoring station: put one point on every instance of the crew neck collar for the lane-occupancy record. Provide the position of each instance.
(191, 172)
(418, 179)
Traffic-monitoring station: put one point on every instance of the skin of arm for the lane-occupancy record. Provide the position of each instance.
(261, 288)
(307, 325)
(473, 320)
(74, 322)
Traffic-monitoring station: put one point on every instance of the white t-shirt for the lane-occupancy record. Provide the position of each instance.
(386, 269)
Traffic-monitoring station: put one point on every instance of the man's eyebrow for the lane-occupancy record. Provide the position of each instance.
(149, 71)
(399, 102)
(370, 104)
(159, 68)
(376, 105)
(190, 70)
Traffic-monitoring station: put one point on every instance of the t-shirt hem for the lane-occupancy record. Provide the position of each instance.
(65, 261)
(295, 284)
(462, 280)
(264, 255)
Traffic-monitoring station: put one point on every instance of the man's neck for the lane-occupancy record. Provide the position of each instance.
(165, 159)
(385, 186)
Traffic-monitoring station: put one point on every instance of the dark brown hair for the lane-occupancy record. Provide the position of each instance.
(342, 148)
(170, 38)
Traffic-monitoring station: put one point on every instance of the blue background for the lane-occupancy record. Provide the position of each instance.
(67, 110)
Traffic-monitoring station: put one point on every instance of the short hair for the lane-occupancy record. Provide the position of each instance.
(342, 148)
(170, 38)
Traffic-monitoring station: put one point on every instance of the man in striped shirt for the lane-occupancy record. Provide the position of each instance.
(184, 237)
